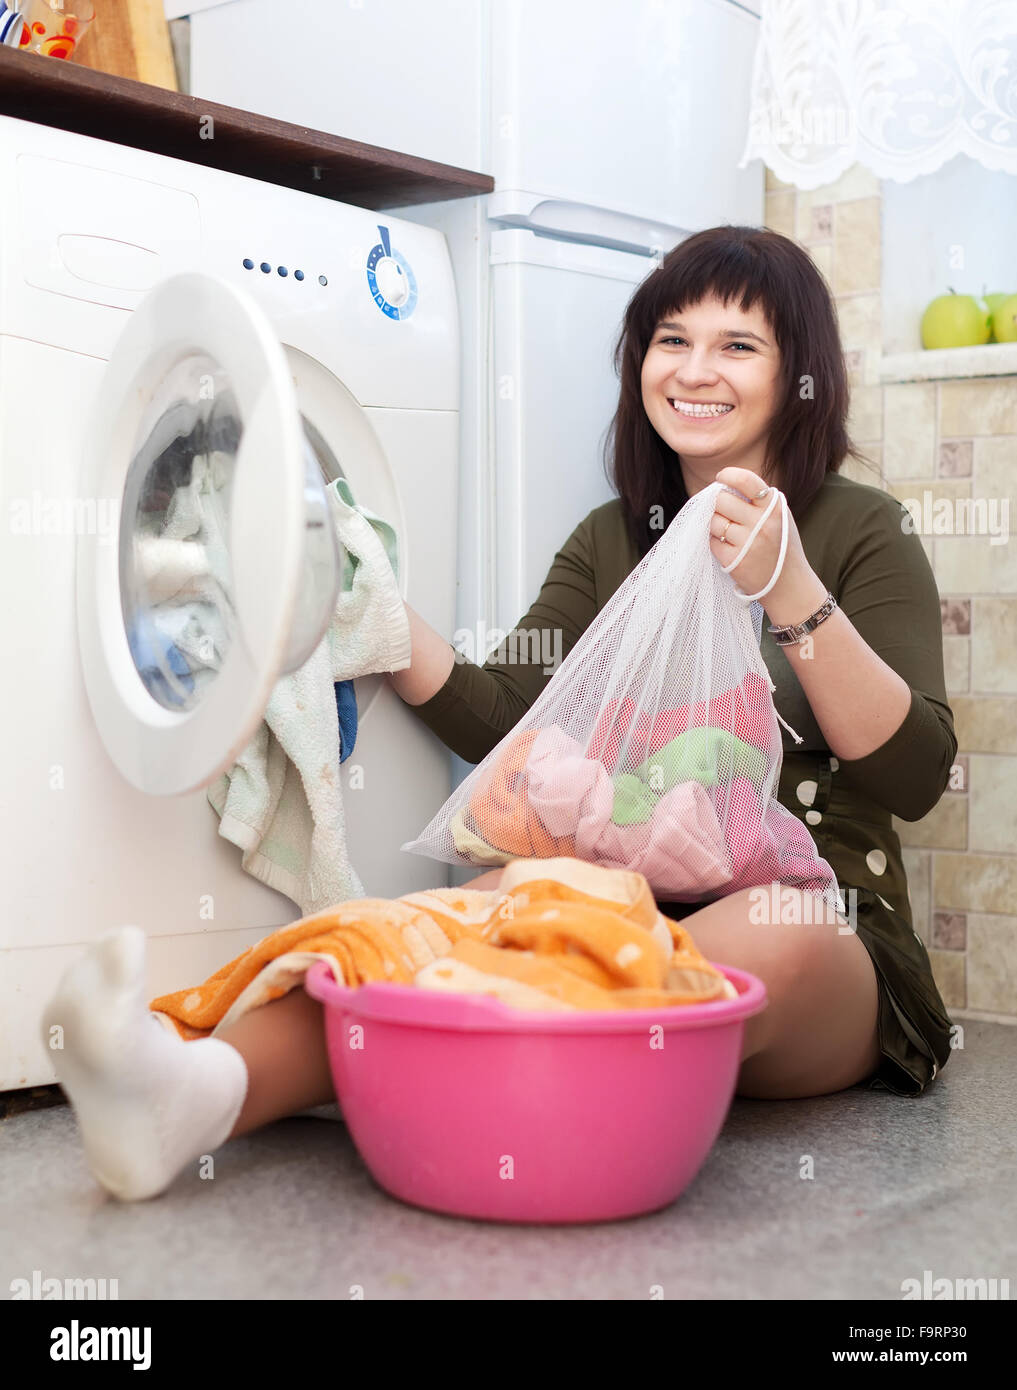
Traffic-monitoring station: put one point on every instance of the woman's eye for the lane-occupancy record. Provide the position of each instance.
(681, 340)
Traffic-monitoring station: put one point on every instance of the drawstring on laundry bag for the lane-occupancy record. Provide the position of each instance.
(751, 598)
(654, 747)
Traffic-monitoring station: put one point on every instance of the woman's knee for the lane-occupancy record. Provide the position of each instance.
(486, 882)
(819, 980)
(781, 945)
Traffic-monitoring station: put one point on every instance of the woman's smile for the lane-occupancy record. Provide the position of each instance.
(700, 412)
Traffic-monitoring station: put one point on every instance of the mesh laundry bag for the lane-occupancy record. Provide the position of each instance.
(654, 747)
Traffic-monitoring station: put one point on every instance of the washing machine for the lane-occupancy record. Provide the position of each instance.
(153, 312)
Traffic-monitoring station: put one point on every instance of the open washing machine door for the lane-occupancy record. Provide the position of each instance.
(224, 569)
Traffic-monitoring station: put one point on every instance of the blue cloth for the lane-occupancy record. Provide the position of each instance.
(153, 654)
(346, 708)
(345, 696)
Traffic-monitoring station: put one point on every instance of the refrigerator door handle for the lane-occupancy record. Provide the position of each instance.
(582, 222)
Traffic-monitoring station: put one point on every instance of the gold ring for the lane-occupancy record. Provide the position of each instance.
(724, 538)
(765, 493)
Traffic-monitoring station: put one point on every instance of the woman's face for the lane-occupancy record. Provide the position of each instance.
(712, 354)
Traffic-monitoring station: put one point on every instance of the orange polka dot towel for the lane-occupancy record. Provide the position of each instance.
(557, 934)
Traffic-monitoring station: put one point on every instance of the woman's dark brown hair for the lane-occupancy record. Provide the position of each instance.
(809, 434)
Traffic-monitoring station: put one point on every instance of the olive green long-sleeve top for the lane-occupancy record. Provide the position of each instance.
(878, 572)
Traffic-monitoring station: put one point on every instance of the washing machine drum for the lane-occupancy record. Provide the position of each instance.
(225, 568)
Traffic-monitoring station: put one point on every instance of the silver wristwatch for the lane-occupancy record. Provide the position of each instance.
(794, 632)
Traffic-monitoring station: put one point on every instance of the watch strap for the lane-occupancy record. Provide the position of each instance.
(791, 633)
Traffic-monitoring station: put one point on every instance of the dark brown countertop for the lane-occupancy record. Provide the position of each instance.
(57, 93)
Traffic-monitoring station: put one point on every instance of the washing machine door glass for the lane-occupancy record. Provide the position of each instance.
(176, 579)
(226, 567)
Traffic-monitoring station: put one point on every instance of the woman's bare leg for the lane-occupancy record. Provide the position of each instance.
(819, 1031)
(486, 883)
(283, 1047)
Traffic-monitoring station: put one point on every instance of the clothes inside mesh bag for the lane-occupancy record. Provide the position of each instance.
(654, 747)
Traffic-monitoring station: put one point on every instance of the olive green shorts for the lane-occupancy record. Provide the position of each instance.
(915, 1031)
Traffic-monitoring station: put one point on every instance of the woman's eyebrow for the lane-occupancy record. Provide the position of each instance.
(724, 333)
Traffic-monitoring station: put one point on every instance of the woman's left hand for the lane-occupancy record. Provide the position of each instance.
(736, 517)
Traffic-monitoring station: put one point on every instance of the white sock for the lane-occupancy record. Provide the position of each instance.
(148, 1103)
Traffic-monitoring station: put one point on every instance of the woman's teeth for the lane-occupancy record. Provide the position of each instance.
(700, 411)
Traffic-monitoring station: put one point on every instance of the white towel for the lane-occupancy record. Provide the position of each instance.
(281, 802)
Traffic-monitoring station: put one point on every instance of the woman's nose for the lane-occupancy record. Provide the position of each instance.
(697, 365)
(696, 371)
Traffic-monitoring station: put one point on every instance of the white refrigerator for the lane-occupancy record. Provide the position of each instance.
(613, 129)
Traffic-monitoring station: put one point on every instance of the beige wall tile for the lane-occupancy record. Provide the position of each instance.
(856, 182)
(869, 474)
(854, 365)
(779, 213)
(859, 318)
(822, 222)
(959, 773)
(945, 827)
(986, 405)
(909, 429)
(813, 216)
(872, 359)
(949, 931)
(956, 615)
(992, 963)
(957, 664)
(913, 492)
(948, 972)
(773, 182)
(995, 458)
(955, 458)
(805, 201)
(974, 882)
(918, 867)
(985, 723)
(822, 258)
(993, 802)
(994, 644)
(985, 560)
(857, 256)
(865, 413)
(995, 479)
(974, 565)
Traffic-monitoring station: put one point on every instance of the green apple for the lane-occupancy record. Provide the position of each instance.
(1004, 320)
(993, 301)
(955, 320)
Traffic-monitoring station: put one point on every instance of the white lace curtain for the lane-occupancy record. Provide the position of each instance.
(899, 86)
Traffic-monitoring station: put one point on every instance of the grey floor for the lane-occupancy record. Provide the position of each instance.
(900, 1186)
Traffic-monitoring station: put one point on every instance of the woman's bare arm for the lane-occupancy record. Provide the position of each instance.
(431, 659)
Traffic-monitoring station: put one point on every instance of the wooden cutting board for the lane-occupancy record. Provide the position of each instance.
(130, 38)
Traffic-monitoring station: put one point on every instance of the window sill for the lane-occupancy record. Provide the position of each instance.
(944, 364)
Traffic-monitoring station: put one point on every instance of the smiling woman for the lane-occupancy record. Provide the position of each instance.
(732, 371)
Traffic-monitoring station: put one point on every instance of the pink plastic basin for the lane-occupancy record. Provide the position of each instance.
(461, 1104)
